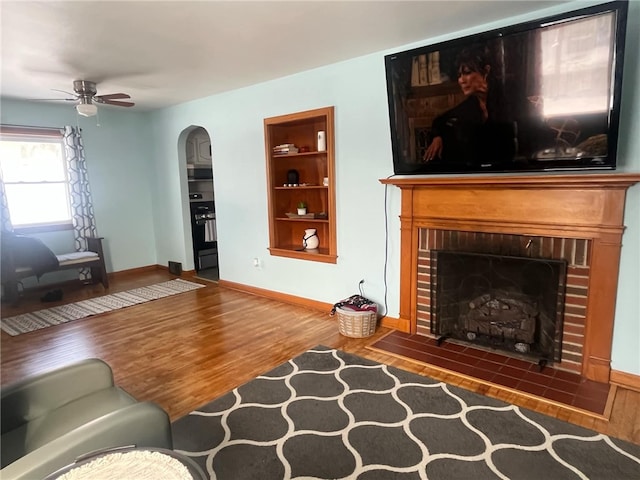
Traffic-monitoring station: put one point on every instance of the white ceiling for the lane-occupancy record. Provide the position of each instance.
(167, 52)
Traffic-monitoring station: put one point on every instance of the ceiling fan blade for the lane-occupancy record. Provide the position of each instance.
(113, 96)
(117, 103)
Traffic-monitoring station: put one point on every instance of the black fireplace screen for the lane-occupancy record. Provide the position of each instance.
(513, 304)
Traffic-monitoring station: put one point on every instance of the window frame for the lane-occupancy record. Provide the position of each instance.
(32, 134)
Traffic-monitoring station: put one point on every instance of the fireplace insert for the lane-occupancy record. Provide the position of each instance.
(507, 303)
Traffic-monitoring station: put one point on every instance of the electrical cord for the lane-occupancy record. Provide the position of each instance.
(386, 247)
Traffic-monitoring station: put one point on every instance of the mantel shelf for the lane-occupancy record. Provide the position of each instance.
(571, 181)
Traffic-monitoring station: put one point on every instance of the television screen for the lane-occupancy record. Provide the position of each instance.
(542, 95)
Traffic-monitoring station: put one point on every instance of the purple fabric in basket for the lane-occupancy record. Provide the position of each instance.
(357, 303)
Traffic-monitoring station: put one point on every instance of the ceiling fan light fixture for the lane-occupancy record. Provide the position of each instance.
(87, 109)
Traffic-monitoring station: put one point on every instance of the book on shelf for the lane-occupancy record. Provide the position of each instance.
(415, 72)
(425, 70)
(284, 150)
(434, 68)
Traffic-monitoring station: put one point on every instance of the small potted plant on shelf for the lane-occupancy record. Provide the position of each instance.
(302, 208)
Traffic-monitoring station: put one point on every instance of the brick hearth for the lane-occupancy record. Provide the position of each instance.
(574, 251)
(552, 384)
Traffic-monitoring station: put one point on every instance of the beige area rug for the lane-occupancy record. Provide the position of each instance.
(28, 322)
(140, 465)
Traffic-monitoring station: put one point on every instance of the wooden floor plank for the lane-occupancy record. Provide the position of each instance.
(185, 350)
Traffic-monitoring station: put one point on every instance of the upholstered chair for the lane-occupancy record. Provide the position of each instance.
(51, 419)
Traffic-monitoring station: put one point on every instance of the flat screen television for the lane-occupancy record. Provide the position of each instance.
(541, 95)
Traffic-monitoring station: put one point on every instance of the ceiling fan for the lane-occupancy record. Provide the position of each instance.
(85, 95)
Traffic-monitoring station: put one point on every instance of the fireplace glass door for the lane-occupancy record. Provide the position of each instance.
(512, 304)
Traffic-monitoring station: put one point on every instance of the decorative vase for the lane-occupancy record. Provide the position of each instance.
(322, 141)
(310, 240)
(293, 177)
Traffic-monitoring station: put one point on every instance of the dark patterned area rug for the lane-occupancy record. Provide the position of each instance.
(327, 414)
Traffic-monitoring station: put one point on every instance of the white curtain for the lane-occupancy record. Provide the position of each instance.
(5, 215)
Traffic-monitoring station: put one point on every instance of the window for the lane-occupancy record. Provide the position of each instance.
(35, 178)
(577, 64)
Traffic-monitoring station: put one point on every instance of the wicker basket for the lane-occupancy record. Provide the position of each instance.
(356, 324)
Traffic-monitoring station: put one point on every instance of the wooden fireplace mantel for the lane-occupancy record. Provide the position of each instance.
(587, 206)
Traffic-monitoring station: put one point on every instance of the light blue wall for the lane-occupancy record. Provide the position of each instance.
(235, 123)
(120, 171)
(357, 89)
(140, 163)
(626, 334)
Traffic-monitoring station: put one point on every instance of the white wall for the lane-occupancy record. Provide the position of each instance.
(357, 89)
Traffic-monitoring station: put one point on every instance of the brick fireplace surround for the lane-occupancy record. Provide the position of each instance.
(578, 218)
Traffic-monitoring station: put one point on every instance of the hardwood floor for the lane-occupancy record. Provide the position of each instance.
(185, 350)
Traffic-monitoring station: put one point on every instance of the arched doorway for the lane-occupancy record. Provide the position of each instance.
(202, 204)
